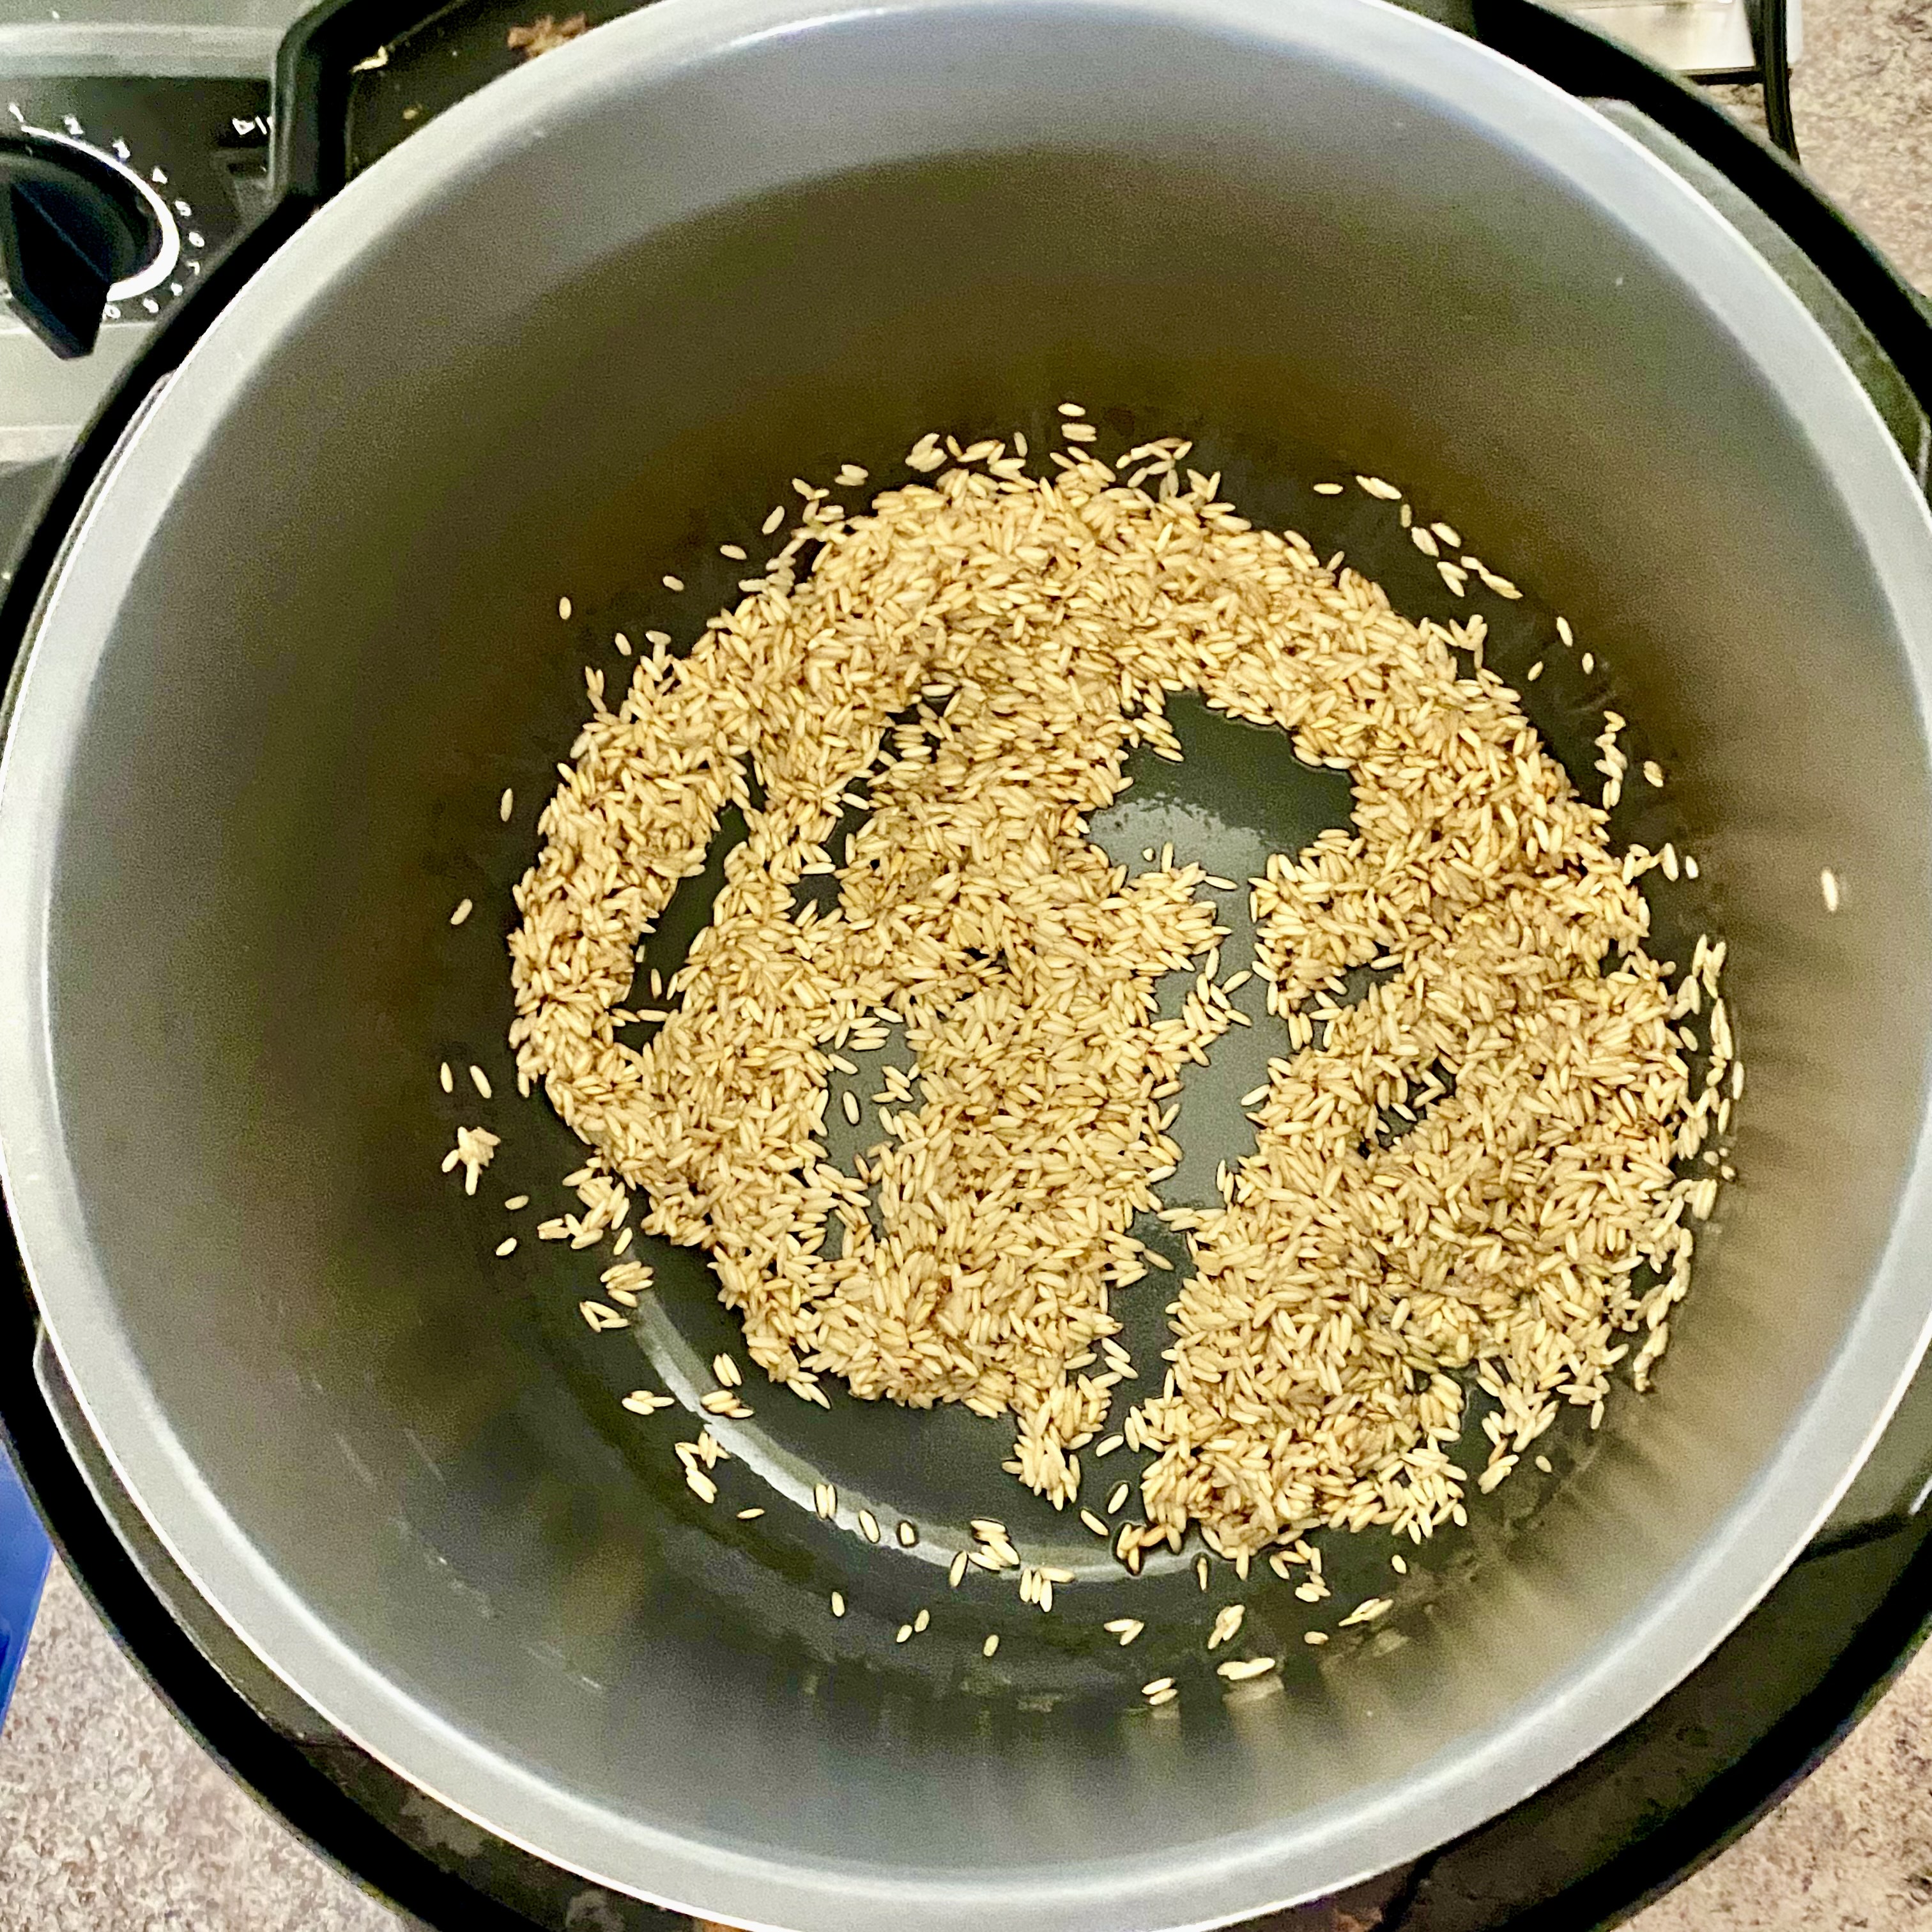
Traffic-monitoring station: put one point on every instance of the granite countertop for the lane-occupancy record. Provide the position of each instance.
(112, 1819)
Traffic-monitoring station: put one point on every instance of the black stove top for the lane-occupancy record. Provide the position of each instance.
(1587, 1850)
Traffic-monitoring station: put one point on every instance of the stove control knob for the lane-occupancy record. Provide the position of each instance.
(76, 227)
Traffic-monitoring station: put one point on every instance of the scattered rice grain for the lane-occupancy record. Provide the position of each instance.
(1241, 1670)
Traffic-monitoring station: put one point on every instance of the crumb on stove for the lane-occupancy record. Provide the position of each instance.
(545, 34)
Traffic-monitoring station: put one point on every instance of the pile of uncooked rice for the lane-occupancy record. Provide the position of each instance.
(1471, 1166)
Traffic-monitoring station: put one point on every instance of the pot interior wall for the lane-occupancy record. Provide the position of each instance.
(571, 374)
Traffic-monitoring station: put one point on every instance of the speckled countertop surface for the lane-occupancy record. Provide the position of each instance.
(112, 1819)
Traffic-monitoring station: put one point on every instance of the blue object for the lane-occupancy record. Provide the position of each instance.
(25, 1553)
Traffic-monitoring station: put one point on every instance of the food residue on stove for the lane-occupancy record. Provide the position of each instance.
(545, 34)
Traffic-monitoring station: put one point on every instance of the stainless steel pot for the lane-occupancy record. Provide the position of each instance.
(579, 332)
